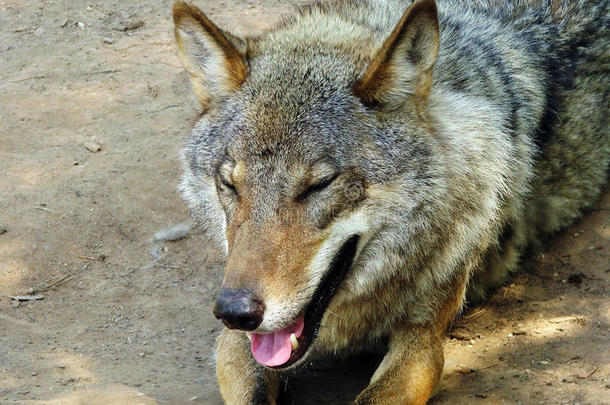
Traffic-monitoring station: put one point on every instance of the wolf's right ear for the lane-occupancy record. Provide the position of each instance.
(214, 59)
(403, 66)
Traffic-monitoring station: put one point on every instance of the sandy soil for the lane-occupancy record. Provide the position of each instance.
(127, 320)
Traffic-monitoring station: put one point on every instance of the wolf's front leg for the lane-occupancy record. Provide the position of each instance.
(409, 371)
(240, 378)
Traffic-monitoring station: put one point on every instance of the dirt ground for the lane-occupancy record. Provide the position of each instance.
(127, 320)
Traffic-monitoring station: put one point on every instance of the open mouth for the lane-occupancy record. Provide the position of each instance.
(285, 347)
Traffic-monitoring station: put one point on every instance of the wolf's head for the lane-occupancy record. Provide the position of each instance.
(308, 136)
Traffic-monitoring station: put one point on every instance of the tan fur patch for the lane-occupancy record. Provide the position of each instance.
(452, 305)
(269, 258)
(236, 364)
(410, 370)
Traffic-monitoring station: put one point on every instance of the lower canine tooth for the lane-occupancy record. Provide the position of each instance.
(249, 336)
(294, 341)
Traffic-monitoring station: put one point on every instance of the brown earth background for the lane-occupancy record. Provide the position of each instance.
(127, 320)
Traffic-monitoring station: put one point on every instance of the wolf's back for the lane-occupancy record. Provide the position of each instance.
(568, 40)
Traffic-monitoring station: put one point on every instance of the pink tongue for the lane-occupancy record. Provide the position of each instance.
(273, 349)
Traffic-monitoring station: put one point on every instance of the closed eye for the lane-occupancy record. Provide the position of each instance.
(316, 187)
(228, 185)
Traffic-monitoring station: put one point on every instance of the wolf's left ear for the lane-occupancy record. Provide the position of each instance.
(403, 66)
(214, 59)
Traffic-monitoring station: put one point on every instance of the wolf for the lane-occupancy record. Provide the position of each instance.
(370, 167)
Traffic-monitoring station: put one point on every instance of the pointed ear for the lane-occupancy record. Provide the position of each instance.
(214, 59)
(403, 66)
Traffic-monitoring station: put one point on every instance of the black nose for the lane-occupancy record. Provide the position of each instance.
(239, 309)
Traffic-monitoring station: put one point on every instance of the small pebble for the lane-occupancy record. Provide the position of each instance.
(108, 40)
(132, 25)
(3, 230)
(173, 233)
(93, 147)
(576, 278)
(156, 253)
(80, 25)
